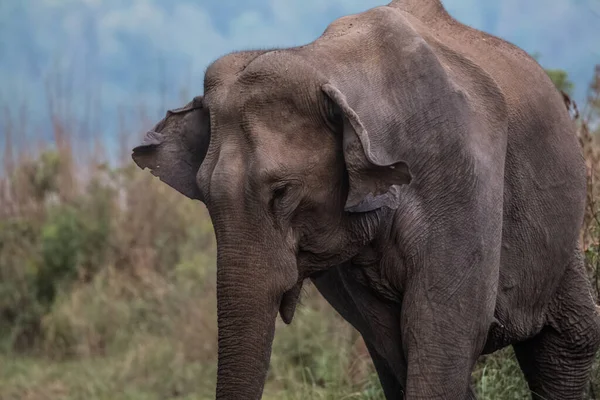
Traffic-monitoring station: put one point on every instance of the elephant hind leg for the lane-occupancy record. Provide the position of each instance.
(557, 362)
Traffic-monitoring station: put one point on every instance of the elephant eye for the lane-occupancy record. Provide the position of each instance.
(277, 196)
(282, 202)
(285, 198)
(279, 192)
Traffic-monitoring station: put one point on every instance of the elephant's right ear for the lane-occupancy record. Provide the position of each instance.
(175, 149)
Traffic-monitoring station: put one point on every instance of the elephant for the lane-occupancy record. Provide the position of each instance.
(424, 175)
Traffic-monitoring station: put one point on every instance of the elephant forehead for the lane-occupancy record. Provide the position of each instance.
(280, 155)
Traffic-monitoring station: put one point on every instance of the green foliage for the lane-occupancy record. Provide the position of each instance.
(41, 175)
(19, 310)
(498, 376)
(559, 77)
(561, 80)
(95, 212)
(60, 247)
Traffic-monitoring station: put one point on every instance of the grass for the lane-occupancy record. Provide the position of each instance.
(103, 343)
(161, 375)
(318, 357)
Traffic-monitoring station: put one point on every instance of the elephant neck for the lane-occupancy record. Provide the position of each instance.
(369, 269)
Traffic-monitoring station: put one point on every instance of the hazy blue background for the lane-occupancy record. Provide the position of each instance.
(98, 55)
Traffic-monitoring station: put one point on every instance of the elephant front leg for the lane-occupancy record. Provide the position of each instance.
(445, 318)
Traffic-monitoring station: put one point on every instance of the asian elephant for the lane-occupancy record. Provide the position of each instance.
(426, 176)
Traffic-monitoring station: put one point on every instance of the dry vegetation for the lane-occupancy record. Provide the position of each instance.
(107, 287)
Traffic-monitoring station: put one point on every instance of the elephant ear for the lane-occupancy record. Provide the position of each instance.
(175, 148)
(372, 174)
(407, 105)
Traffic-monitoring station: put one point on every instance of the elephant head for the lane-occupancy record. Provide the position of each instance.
(297, 168)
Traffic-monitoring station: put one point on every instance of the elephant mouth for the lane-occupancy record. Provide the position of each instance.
(289, 300)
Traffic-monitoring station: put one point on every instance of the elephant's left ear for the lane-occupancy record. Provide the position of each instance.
(397, 116)
(373, 172)
(175, 148)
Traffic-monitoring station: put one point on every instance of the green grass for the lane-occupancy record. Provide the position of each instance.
(153, 372)
(308, 363)
(102, 342)
(498, 376)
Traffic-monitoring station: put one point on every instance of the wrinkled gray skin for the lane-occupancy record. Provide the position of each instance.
(424, 175)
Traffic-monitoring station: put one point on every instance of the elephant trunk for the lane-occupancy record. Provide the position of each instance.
(248, 299)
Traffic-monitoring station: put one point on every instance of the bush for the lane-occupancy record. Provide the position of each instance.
(60, 246)
(19, 259)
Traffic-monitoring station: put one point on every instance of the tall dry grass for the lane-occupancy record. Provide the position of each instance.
(107, 284)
